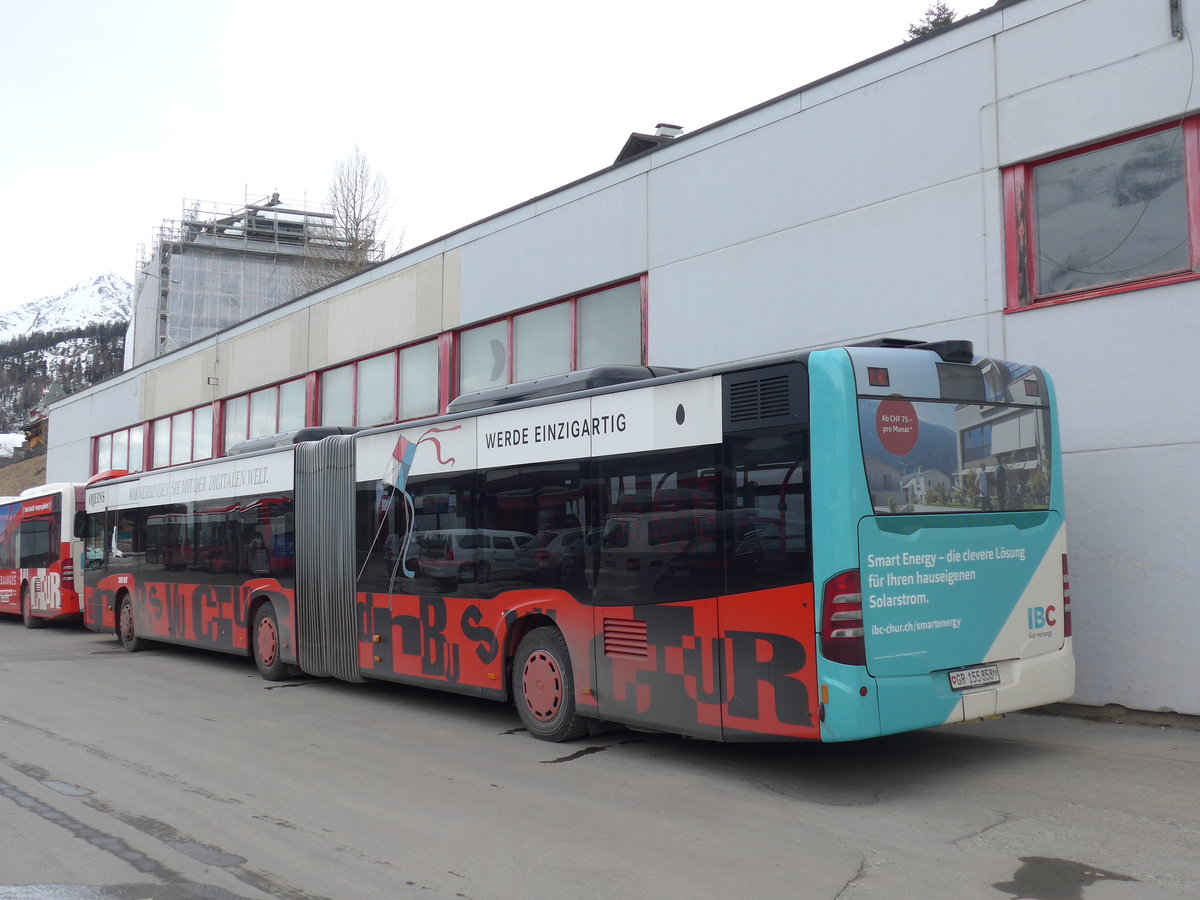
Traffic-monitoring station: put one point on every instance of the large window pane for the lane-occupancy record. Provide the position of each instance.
(202, 433)
(181, 438)
(120, 449)
(419, 381)
(291, 405)
(610, 327)
(377, 390)
(137, 448)
(104, 453)
(262, 412)
(1112, 215)
(542, 342)
(483, 357)
(162, 443)
(236, 412)
(337, 396)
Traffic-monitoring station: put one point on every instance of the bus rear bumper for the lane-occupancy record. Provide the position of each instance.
(1025, 683)
(863, 707)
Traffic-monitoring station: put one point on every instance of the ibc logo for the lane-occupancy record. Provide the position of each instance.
(1041, 616)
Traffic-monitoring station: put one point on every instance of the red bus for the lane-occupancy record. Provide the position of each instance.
(730, 553)
(39, 554)
(10, 576)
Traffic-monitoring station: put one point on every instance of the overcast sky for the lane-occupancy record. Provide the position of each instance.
(113, 113)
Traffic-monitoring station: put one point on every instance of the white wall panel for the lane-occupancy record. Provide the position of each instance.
(1131, 528)
(1118, 98)
(75, 420)
(1121, 366)
(911, 263)
(598, 238)
(919, 129)
(1067, 44)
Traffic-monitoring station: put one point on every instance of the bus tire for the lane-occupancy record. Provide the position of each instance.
(265, 644)
(543, 687)
(126, 630)
(27, 616)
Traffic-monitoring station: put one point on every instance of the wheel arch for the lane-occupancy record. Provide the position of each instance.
(121, 596)
(257, 601)
(512, 639)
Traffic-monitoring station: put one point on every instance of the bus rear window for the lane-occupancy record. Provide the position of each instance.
(926, 456)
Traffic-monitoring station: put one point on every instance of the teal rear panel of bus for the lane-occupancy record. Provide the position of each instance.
(941, 592)
(938, 481)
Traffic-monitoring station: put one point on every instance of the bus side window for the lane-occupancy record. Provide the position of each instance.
(93, 541)
(769, 510)
(660, 541)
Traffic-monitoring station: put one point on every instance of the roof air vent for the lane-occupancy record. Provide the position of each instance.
(763, 398)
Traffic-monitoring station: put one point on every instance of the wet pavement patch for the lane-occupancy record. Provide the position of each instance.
(107, 842)
(210, 856)
(69, 790)
(586, 751)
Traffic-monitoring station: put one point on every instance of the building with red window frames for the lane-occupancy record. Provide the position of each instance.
(1028, 179)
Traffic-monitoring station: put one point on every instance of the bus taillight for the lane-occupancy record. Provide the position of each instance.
(1066, 599)
(842, 620)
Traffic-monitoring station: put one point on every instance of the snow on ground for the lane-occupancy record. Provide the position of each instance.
(9, 441)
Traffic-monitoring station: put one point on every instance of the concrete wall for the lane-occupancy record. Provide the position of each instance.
(869, 203)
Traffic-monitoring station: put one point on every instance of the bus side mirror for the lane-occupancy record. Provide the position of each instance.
(81, 525)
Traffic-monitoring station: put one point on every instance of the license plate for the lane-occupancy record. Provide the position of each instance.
(976, 676)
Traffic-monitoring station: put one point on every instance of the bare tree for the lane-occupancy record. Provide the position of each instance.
(352, 238)
(937, 17)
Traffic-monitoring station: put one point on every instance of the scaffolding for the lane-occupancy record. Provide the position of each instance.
(217, 265)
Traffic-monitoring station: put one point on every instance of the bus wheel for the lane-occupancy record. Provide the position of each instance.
(266, 644)
(27, 616)
(543, 689)
(125, 627)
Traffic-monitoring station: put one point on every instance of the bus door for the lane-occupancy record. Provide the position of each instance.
(767, 613)
(657, 576)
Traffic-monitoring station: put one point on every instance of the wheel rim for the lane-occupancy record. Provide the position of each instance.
(542, 686)
(126, 622)
(267, 641)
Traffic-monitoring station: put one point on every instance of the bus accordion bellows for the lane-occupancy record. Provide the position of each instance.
(829, 545)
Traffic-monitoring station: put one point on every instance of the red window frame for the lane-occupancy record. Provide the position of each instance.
(454, 374)
(145, 429)
(148, 440)
(1020, 232)
(316, 383)
(220, 420)
(447, 343)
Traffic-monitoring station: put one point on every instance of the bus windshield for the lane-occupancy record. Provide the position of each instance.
(983, 445)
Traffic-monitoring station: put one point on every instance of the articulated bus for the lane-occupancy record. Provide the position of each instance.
(825, 545)
(39, 554)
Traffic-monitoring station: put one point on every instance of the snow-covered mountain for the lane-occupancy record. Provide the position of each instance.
(61, 344)
(101, 300)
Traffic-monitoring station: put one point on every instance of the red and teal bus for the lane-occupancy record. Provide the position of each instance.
(39, 554)
(823, 545)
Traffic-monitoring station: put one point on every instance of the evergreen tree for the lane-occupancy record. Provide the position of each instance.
(937, 17)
